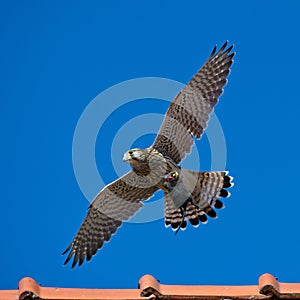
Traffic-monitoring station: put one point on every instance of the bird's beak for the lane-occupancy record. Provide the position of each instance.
(126, 156)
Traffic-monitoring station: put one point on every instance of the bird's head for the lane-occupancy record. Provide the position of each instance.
(134, 155)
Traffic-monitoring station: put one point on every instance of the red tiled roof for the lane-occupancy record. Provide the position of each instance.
(149, 288)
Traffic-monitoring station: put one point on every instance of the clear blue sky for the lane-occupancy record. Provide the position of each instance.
(55, 57)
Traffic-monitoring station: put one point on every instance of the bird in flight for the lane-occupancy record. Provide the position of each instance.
(188, 195)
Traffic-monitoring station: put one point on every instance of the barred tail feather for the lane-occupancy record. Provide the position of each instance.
(174, 217)
(205, 198)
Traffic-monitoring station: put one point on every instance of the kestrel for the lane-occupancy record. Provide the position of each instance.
(188, 195)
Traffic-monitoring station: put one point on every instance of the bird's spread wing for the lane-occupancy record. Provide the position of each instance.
(118, 201)
(188, 114)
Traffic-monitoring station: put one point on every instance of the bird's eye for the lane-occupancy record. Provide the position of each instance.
(130, 152)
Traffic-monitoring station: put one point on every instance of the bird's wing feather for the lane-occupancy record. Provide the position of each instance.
(118, 201)
(188, 114)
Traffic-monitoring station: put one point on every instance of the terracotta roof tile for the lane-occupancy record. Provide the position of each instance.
(149, 288)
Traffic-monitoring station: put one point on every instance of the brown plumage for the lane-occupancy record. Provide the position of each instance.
(201, 198)
(189, 195)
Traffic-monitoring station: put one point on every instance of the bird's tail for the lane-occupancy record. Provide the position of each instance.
(205, 190)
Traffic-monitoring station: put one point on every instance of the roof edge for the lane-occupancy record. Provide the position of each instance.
(149, 288)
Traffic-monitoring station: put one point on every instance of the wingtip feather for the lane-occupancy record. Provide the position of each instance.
(69, 257)
(69, 247)
(213, 52)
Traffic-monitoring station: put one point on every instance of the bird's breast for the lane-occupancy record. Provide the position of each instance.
(155, 168)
